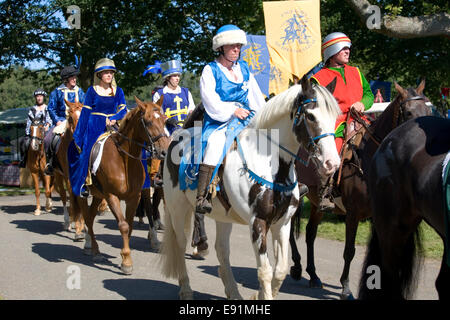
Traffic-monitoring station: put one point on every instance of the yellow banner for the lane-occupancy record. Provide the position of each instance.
(293, 39)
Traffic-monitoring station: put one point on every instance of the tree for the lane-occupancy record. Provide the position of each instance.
(394, 25)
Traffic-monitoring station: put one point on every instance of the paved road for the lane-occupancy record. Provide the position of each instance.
(37, 254)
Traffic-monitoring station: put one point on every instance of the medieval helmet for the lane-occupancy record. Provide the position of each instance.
(333, 43)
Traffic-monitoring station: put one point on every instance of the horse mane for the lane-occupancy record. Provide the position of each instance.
(127, 119)
(283, 104)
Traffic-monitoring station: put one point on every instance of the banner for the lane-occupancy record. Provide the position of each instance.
(293, 39)
(256, 55)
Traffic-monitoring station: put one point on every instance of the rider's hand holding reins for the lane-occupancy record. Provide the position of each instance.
(358, 106)
(241, 113)
(110, 122)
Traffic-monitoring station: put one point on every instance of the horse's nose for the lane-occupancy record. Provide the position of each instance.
(163, 153)
(330, 166)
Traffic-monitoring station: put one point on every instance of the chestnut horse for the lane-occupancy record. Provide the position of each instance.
(409, 103)
(62, 172)
(408, 183)
(120, 175)
(36, 164)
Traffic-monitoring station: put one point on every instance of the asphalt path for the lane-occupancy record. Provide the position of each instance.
(40, 260)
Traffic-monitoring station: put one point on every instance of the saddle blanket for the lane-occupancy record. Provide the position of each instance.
(97, 151)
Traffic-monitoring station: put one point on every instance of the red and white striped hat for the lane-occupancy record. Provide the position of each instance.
(333, 43)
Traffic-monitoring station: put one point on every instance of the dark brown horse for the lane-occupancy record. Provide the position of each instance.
(36, 164)
(406, 185)
(120, 175)
(408, 104)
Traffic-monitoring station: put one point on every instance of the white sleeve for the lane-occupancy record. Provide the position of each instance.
(191, 103)
(216, 108)
(255, 97)
(156, 97)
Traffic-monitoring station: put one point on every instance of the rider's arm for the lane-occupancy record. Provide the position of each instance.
(255, 97)
(48, 119)
(367, 99)
(52, 105)
(121, 107)
(191, 102)
(29, 120)
(216, 108)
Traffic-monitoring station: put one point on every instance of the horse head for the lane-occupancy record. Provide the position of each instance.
(153, 120)
(73, 112)
(314, 115)
(37, 133)
(412, 103)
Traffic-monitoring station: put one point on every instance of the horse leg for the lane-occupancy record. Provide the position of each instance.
(91, 213)
(148, 209)
(258, 231)
(280, 237)
(176, 220)
(77, 210)
(222, 245)
(125, 230)
(37, 193)
(296, 269)
(311, 232)
(443, 278)
(59, 183)
(48, 186)
(351, 227)
(156, 199)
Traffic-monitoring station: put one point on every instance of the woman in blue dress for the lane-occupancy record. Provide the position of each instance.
(103, 105)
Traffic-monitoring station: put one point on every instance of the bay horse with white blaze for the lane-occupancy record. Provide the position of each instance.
(409, 103)
(304, 115)
(406, 186)
(120, 175)
(36, 164)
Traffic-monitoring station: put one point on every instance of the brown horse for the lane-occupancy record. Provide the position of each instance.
(352, 189)
(36, 164)
(120, 175)
(62, 172)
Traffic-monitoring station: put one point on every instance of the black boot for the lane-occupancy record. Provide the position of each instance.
(326, 199)
(204, 176)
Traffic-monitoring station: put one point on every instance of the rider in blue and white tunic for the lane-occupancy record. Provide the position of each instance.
(228, 90)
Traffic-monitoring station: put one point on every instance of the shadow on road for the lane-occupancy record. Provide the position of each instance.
(44, 227)
(62, 252)
(143, 289)
(58, 210)
(247, 277)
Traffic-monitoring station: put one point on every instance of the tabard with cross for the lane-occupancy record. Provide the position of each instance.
(175, 105)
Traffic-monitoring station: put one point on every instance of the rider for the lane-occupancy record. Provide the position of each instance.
(103, 105)
(352, 91)
(177, 102)
(38, 112)
(58, 109)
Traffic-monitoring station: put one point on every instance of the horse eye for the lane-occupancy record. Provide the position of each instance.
(310, 117)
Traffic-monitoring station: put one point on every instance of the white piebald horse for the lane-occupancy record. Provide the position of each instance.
(303, 115)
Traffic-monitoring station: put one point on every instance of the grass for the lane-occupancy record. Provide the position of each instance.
(16, 191)
(333, 227)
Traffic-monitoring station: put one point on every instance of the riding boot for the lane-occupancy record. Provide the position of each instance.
(84, 191)
(204, 176)
(155, 178)
(325, 195)
(24, 145)
(199, 238)
(49, 163)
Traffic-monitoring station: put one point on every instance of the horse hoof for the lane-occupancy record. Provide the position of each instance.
(126, 269)
(48, 210)
(37, 212)
(187, 295)
(296, 273)
(87, 251)
(315, 283)
(98, 257)
(200, 255)
(66, 226)
(78, 237)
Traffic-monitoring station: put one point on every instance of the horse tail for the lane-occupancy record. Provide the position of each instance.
(172, 261)
(402, 284)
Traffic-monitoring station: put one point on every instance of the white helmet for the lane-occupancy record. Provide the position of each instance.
(333, 43)
(229, 34)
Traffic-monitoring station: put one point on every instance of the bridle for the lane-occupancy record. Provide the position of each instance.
(39, 139)
(400, 114)
(299, 117)
(149, 146)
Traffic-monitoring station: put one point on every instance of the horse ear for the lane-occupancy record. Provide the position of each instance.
(400, 90)
(306, 85)
(160, 101)
(332, 85)
(70, 104)
(140, 104)
(421, 86)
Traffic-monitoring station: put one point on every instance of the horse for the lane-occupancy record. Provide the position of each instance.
(36, 164)
(304, 114)
(62, 172)
(405, 181)
(409, 103)
(120, 174)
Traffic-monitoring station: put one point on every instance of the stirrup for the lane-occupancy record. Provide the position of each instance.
(48, 170)
(84, 192)
(204, 207)
(303, 189)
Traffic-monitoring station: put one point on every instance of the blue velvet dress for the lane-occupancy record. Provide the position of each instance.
(91, 125)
